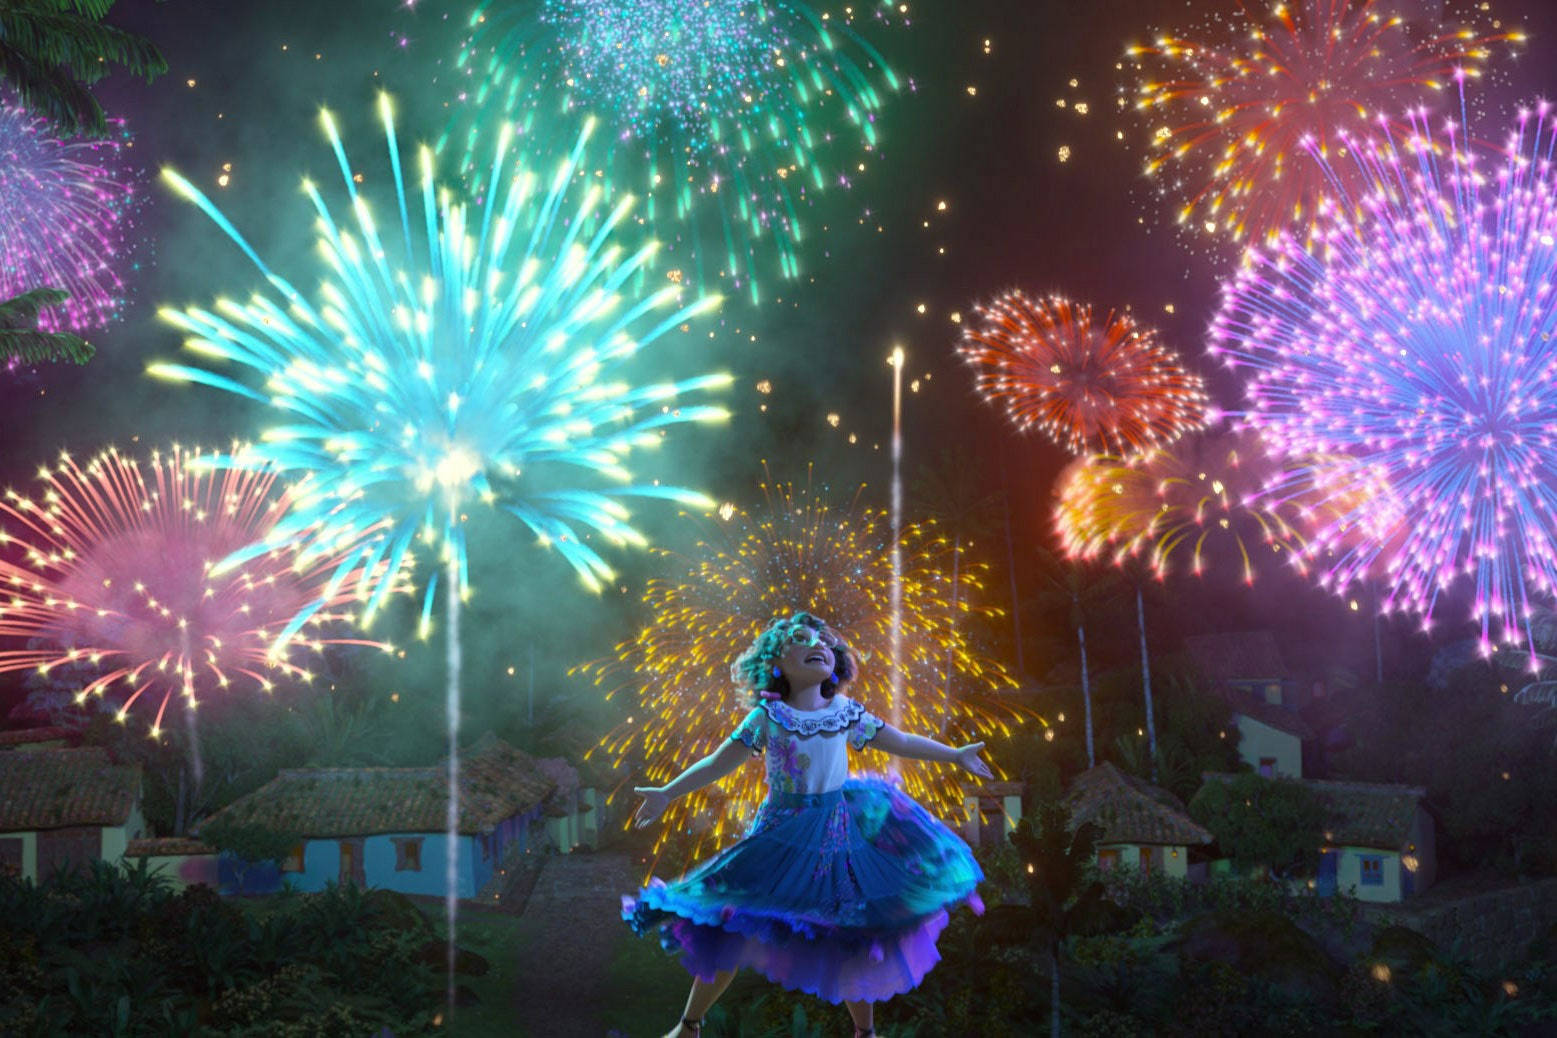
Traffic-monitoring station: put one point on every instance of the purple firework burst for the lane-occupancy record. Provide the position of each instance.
(1412, 341)
(65, 210)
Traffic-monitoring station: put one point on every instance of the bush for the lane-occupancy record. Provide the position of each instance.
(115, 951)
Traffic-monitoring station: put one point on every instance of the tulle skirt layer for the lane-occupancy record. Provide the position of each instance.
(841, 894)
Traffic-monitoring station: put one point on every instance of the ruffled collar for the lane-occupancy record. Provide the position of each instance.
(836, 719)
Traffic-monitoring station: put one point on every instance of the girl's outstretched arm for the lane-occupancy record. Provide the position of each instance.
(917, 747)
(710, 769)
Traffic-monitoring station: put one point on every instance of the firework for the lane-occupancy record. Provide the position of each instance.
(1412, 342)
(490, 368)
(1230, 117)
(1218, 487)
(1109, 385)
(802, 553)
(65, 210)
(729, 116)
(112, 568)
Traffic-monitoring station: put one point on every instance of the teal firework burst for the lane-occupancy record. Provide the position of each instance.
(484, 357)
(729, 115)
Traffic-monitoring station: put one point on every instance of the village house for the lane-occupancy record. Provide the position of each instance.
(1378, 843)
(1246, 669)
(990, 812)
(386, 827)
(62, 808)
(1379, 840)
(1143, 827)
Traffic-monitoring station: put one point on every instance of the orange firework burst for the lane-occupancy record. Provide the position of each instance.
(1220, 486)
(1111, 385)
(116, 565)
(801, 554)
(1229, 122)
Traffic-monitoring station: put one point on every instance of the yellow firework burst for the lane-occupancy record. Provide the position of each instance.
(802, 553)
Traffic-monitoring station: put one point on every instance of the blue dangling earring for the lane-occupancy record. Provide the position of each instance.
(777, 672)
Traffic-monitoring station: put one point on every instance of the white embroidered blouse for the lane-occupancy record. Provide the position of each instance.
(805, 748)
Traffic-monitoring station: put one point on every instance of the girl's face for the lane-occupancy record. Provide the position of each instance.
(808, 657)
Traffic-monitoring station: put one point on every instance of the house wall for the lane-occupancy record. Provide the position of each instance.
(1172, 861)
(1348, 874)
(1257, 739)
(322, 865)
(29, 852)
(1424, 838)
(184, 870)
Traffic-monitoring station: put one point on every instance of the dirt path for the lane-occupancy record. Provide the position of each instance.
(571, 922)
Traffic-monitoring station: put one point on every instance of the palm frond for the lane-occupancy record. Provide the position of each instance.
(22, 340)
(31, 346)
(52, 92)
(91, 49)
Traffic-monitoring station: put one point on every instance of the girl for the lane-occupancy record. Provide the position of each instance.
(841, 886)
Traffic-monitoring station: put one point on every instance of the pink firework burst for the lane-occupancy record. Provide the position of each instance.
(1108, 385)
(116, 565)
(1228, 116)
(65, 212)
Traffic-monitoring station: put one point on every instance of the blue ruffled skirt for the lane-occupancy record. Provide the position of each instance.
(841, 894)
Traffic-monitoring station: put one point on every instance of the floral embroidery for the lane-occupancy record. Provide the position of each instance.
(865, 729)
(787, 765)
(753, 731)
(834, 720)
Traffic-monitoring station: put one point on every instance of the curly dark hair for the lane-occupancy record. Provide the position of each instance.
(754, 668)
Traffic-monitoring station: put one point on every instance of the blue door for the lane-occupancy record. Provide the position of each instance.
(1328, 860)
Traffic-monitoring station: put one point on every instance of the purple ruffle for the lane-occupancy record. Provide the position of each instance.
(832, 971)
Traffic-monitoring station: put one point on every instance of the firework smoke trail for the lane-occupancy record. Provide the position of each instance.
(1413, 343)
(728, 116)
(1109, 385)
(1227, 114)
(799, 552)
(897, 540)
(113, 567)
(65, 214)
(491, 367)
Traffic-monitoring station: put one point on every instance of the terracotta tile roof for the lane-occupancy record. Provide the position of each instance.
(52, 789)
(25, 736)
(1278, 717)
(1130, 810)
(496, 782)
(165, 846)
(1377, 815)
(1240, 655)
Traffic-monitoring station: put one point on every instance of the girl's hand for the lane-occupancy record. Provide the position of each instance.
(654, 803)
(968, 757)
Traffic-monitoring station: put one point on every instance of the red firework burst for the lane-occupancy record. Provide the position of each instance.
(114, 565)
(1227, 120)
(1109, 386)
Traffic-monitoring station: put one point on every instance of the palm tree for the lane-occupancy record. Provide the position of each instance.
(1069, 584)
(51, 51)
(22, 341)
(950, 491)
(1062, 899)
(1137, 574)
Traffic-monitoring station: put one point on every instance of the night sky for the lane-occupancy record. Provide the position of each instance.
(980, 130)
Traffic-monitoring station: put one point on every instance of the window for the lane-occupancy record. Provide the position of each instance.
(1268, 767)
(1146, 861)
(1107, 860)
(293, 862)
(1372, 867)
(408, 854)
